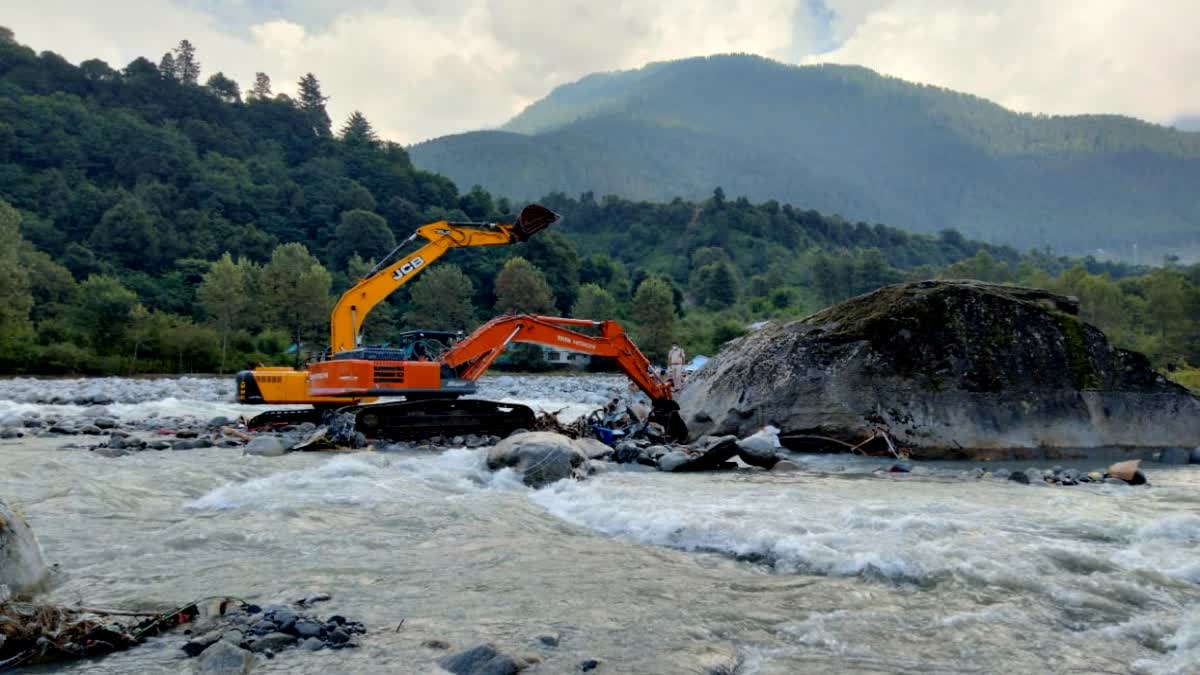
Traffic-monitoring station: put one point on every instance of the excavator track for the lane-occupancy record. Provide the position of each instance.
(423, 418)
(414, 420)
(277, 419)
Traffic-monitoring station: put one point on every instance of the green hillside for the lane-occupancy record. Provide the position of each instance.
(155, 223)
(845, 140)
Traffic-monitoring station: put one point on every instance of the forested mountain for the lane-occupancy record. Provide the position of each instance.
(152, 223)
(845, 140)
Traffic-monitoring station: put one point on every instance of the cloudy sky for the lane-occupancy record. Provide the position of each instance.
(422, 68)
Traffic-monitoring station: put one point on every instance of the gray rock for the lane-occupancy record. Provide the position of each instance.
(473, 441)
(312, 644)
(307, 629)
(1194, 456)
(673, 460)
(483, 659)
(184, 445)
(22, 566)
(337, 636)
(219, 421)
(714, 456)
(265, 446)
(458, 441)
(541, 457)
(223, 658)
(186, 433)
(656, 451)
(307, 427)
(786, 466)
(116, 442)
(1001, 474)
(1174, 456)
(273, 641)
(591, 448)
(1019, 477)
(626, 453)
(902, 466)
(199, 643)
(11, 433)
(90, 430)
(263, 627)
(1069, 475)
(1018, 364)
(105, 422)
(282, 615)
(757, 454)
(110, 452)
(550, 639)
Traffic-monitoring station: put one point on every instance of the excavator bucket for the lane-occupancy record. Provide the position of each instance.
(533, 219)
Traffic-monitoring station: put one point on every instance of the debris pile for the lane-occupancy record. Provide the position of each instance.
(221, 630)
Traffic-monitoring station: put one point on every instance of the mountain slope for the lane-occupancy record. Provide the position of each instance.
(847, 140)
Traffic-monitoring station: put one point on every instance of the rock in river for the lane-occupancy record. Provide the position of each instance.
(541, 457)
(22, 567)
(265, 446)
(223, 658)
(949, 369)
(483, 659)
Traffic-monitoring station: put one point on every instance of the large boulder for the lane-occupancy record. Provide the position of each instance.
(541, 457)
(948, 369)
(22, 567)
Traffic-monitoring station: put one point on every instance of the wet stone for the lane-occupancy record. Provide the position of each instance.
(105, 422)
(225, 659)
(186, 433)
(274, 642)
(90, 429)
(312, 644)
(483, 659)
(1019, 477)
(307, 629)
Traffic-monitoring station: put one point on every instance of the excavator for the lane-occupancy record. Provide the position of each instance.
(350, 377)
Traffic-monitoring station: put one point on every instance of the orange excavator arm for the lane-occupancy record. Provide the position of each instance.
(471, 357)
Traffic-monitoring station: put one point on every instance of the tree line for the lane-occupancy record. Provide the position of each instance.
(156, 224)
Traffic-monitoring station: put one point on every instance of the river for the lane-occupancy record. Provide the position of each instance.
(832, 569)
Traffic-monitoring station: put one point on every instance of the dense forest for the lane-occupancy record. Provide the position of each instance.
(846, 140)
(158, 221)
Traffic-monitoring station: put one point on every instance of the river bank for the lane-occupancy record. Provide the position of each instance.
(832, 569)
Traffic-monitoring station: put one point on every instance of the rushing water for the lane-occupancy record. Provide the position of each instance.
(833, 569)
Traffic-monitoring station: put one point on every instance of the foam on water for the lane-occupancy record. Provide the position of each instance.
(361, 479)
(923, 540)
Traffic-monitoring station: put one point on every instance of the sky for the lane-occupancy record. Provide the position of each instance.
(424, 68)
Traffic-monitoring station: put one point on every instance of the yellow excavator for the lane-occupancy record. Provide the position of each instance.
(431, 370)
(285, 385)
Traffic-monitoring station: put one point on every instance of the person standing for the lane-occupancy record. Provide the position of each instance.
(675, 366)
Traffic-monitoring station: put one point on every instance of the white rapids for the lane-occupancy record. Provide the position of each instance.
(833, 569)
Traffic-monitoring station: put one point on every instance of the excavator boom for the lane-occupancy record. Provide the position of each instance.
(394, 271)
(475, 353)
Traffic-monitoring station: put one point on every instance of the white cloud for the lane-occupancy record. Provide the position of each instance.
(1066, 56)
(421, 68)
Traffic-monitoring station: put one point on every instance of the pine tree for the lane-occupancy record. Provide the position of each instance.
(594, 303)
(312, 101)
(654, 317)
(521, 288)
(225, 298)
(16, 300)
(187, 68)
(297, 291)
(225, 89)
(358, 131)
(441, 300)
(262, 86)
(166, 67)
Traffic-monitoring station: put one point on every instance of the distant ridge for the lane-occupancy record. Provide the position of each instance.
(844, 139)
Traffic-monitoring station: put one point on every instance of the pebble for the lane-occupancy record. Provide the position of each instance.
(312, 644)
(186, 433)
(482, 659)
(223, 657)
(549, 639)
